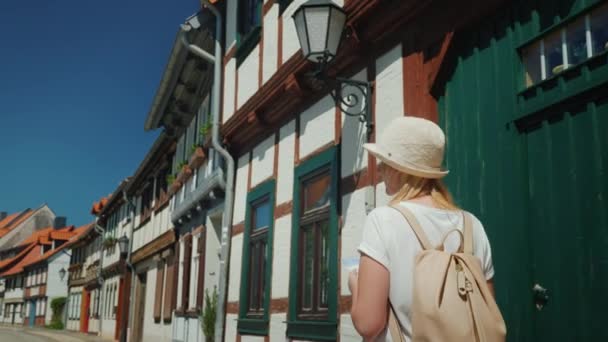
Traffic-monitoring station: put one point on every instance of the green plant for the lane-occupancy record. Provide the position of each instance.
(205, 129)
(55, 326)
(109, 242)
(57, 306)
(193, 148)
(208, 315)
(181, 165)
(170, 179)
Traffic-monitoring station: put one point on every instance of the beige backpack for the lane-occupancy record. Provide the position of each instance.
(452, 301)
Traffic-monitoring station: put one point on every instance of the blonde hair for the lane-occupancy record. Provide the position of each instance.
(414, 187)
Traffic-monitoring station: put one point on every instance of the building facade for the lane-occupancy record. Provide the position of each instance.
(34, 277)
(83, 305)
(190, 265)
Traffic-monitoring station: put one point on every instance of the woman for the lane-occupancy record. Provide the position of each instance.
(411, 153)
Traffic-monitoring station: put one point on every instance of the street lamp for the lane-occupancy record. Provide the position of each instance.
(123, 245)
(320, 27)
(62, 273)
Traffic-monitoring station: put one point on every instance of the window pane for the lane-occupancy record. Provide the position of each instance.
(308, 258)
(261, 214)
(324, 265)
(577, 42)
(531, 59)
(599, 29)
(553, 53)
(316, 192)
(253, 276)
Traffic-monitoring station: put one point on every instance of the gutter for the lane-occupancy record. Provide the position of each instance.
(226, 238)
(123, 335)
(100, 230)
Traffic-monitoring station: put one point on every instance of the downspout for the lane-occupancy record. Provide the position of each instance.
(100, 230)
(129, 313)
(226, 239)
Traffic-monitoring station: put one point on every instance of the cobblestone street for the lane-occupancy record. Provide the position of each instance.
(22, 334)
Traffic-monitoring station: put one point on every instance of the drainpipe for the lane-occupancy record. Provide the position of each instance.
(129, 313)
(226, 239)
(100, 230)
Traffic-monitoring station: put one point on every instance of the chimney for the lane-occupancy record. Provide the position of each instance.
(3, 215)
(60, 222)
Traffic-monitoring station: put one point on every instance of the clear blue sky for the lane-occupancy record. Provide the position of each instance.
(77, 78)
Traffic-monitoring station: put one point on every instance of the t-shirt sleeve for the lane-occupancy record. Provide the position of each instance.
(486, 253)
(373, 244)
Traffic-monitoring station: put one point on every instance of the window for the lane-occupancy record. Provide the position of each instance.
(570, 45)
(158, 297)
(248, 27)
(146, 202)
(257, 260)
(314, 246)
(314, 260)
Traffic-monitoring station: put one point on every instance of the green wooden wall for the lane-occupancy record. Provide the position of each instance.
(528, 183)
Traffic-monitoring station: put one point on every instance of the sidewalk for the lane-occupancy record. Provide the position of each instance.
(57, 335)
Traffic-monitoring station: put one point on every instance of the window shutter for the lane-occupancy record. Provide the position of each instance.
(200, 290)
(158, 299)
(186, 277)
(171, 287)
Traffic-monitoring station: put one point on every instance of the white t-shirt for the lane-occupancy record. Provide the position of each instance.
(389, 239)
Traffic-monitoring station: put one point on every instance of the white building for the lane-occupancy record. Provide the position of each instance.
(189, 267)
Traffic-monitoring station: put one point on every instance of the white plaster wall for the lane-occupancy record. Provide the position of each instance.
(248, 76)
(317, 126)
(354, 135)
(262, 161)
(212, 260)
(278, 328)
(153, 331)
(389, 88)
(187, 330)
(55, 286)
(240, 192)
(271, 42)
(291, 44)
(229, 88)
(287, 142)
(93, 325)
(108, 329)
(230, 335)
(281, 256)
(249, 338)
(235, 268)
(353, 207)
(12, 294)
(347, 330)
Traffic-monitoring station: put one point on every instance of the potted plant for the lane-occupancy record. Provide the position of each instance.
(109, 242)
(208, 315)
(170, 179)
(205, 132)
(198, 157)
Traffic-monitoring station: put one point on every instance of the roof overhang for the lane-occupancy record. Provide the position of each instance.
(185, 79)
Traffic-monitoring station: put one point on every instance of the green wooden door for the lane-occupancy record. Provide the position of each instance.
(568, 224)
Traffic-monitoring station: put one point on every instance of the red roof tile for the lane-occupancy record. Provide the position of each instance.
(31, 256)
(5, 227)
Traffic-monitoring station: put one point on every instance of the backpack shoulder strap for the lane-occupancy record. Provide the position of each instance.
(411, 219)
(468, 233)
(393, 326)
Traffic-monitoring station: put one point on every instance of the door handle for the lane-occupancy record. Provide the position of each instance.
(541, 296)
